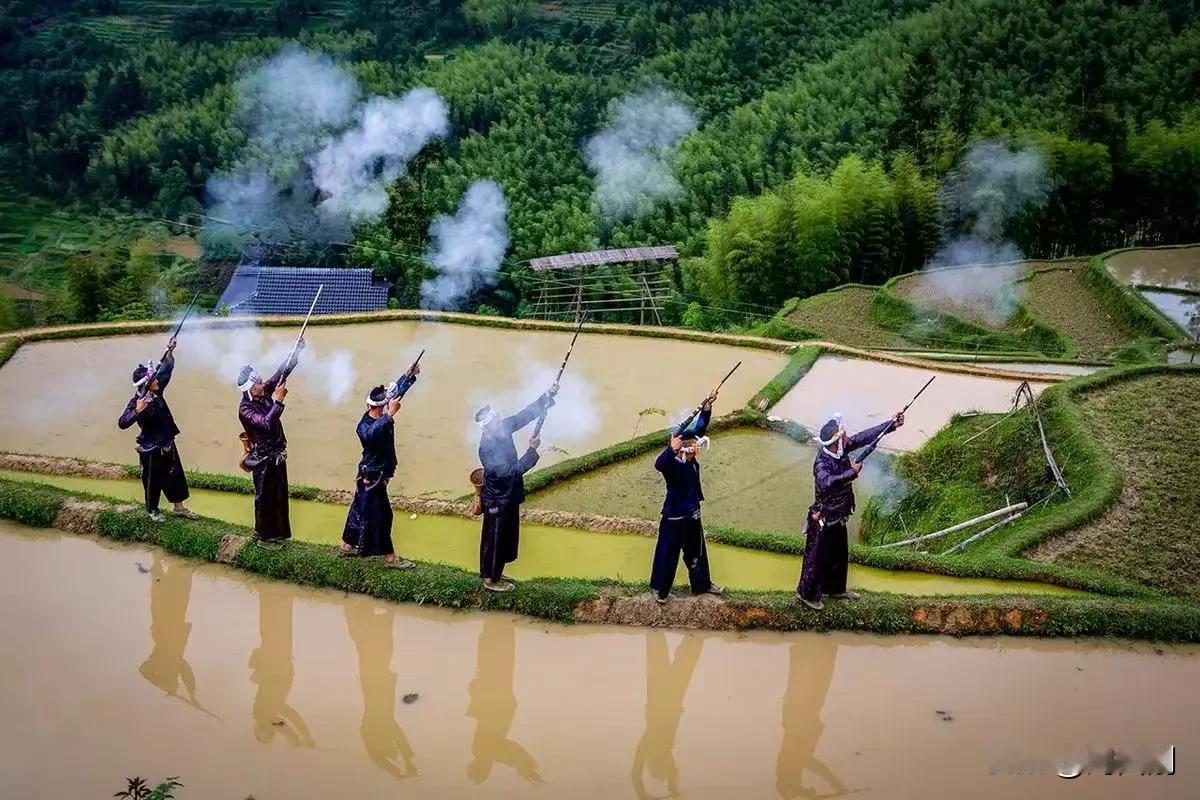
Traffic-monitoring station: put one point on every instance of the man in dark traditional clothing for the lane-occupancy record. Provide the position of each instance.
(162, 471)
(680, 529)
(368, 530)
(260, 412)
(504, 486)
(827, 543)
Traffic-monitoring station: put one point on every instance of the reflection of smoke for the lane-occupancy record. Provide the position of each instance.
(632, 157)
(992, 185)
(316, 161)
(223, 351)
(574, 418)
(468, 247)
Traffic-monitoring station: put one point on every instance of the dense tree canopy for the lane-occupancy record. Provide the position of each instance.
(825, 129)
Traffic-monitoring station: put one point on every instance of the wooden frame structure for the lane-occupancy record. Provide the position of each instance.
(566, 284)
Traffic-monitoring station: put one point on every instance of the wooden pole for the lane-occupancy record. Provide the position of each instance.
(955, 528)
(982, 533)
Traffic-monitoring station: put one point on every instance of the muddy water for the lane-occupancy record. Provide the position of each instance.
(136, 663)
(549, 551)
(1178, 267)
(1182, 309)
(753, 479)
(66, 396)
(868, 392)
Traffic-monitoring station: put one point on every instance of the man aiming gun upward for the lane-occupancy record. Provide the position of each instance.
(504, 486)
(368, 530)
(260, 413)
(162, 470)
(827, 545)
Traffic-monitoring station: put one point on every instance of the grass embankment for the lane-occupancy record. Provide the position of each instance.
(1152, 533)
(843, 315)
(566, 600)
(1118, 436)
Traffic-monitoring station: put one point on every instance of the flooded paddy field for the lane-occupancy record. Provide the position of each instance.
(63, 397)
(754, 479)
(137, 663)
(867, 393)
(1175, 267)
(1182, 309)
(550, 551)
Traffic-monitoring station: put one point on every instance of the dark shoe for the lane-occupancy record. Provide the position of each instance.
(497, 586)
(846, 595)
(815, 605)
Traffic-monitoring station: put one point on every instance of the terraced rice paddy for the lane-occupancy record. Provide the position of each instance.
(753, 479)
(1172, 267)
(65, 396)
(844, 315)
(984, 295)
(866, 393)
(1062, 300)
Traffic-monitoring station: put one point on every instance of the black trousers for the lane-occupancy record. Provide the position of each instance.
(826, 560)
(676, 536)
(271, 521)
(499, 540)
(162, 473)
(369, 520)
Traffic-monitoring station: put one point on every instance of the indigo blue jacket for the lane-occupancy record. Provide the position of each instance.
(833, 477)
(156, 425)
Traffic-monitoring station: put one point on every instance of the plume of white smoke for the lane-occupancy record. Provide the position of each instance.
(468, 247)
(222, 351)
(353, 170)
(992, 184)
(632, 158)
(291, 103)
(316, 161)
(573, 420)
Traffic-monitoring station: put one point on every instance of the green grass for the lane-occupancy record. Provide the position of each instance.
(1118, 435)
(1063, 299)
(843, 315)
(1135, 616)
(1152, 533)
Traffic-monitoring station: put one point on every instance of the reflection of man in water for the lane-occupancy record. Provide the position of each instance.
(810, 671)
(170, 591)
(271, 669)
(371, 629)
(666, 684)
(493, 704)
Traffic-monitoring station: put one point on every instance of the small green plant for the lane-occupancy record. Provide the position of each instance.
(138, 789)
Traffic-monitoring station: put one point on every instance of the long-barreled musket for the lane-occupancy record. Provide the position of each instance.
(303, 328)
(696, 411)
(537, 429)
(891, 427)
(407, 374)
(174, 334)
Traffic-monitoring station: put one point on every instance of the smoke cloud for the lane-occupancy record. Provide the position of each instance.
(632, 158)
(992, 185)
(574, 419)
(317, 160)
(222, 351)
(467, 248)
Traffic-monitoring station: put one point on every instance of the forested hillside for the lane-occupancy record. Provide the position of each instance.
(836, 123)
